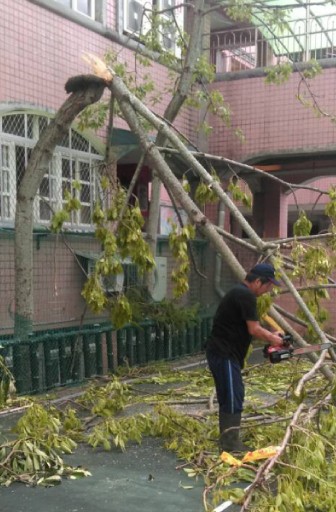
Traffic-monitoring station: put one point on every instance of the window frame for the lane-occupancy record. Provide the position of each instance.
(11, 193)
(146, 25)
(54, 198)
(91, 5)
(95, 8)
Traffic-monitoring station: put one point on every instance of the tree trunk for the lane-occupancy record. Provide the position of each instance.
(183, 88)
(127, 104)
(85, 91)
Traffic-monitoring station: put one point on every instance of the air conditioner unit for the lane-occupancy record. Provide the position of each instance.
(160, 279)
(112, 283)
(135, 18)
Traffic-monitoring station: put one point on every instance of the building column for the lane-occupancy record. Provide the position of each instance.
(276, 211)
(258, 213)
(270, 211)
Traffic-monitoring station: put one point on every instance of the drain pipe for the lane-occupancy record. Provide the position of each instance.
(219, 262)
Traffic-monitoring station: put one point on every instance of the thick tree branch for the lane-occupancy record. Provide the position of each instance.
(85, 90)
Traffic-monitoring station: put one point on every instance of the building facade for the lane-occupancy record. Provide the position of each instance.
(42, 44)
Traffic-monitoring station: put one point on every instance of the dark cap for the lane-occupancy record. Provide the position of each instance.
(265, 270)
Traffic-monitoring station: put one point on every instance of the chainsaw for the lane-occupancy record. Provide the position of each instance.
(286, 351)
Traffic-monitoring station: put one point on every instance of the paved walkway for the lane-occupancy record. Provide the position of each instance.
(142, 479)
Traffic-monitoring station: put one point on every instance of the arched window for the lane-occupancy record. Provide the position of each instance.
(73, 168)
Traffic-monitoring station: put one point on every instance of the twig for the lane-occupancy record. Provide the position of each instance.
(265, 468)
(309, 375)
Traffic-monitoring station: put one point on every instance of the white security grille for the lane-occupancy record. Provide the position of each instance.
(74, 168)
(138, 15)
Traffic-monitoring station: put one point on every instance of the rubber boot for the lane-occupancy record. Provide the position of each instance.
(229, 439)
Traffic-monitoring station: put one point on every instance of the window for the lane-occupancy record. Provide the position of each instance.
(47, 201)
(169, 30)
(74, 167)
(7, 191)
(90, 8)
(137, 20)
(78, 180)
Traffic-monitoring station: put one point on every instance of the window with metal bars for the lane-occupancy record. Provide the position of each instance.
(74, 167)
(137, 20)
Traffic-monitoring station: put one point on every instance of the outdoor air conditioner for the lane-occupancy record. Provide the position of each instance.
(112, 283)
(160, 279)
(129, 277)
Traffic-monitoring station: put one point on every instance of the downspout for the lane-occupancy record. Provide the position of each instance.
(218, 264)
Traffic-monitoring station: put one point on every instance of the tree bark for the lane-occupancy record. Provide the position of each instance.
(85, 91)
(183, 88)
(131, 107)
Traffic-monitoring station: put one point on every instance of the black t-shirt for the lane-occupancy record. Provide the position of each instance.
(229, 336)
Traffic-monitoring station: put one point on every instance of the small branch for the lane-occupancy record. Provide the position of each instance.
(312, 287)
(309, 375)
(242, 242)
(321, 236)
(265, 468)
(199, 154)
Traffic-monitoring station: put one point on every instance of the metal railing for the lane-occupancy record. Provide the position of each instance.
(51, 359)
(246, 48)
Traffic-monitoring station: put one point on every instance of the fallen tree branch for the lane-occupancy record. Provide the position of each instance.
(309, 375)
(265, 468)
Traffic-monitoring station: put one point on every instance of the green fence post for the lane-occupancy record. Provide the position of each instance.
(130, 347)
(140, 345)
(65, 351)
(174, 342)
(76, 350)
(35, 367)
(159, 342)
(99, 353)
(167, 342)
(89, 351)
(190, 338)
(149, 336)
(121, 346)
(182, 342)
(197, 336)
(51, 360)
(109, 350)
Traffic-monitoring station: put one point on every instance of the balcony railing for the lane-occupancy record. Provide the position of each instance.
(254, 47)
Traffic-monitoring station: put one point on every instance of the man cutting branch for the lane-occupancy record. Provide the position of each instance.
(235, 323)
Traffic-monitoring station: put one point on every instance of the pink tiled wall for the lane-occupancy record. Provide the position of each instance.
(40, 50)
(272, 118)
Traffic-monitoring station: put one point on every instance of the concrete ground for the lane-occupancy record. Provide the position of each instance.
(143, 478)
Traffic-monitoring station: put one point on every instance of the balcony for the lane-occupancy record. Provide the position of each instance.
(243, 48)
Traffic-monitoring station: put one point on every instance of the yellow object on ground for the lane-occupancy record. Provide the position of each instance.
(262, 453)
(229, 459)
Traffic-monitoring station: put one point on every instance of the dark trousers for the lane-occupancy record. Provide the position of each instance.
(229, 383)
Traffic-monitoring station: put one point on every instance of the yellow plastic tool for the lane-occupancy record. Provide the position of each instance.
(272, 323)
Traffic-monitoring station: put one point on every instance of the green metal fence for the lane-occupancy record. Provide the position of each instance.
(46, 360)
